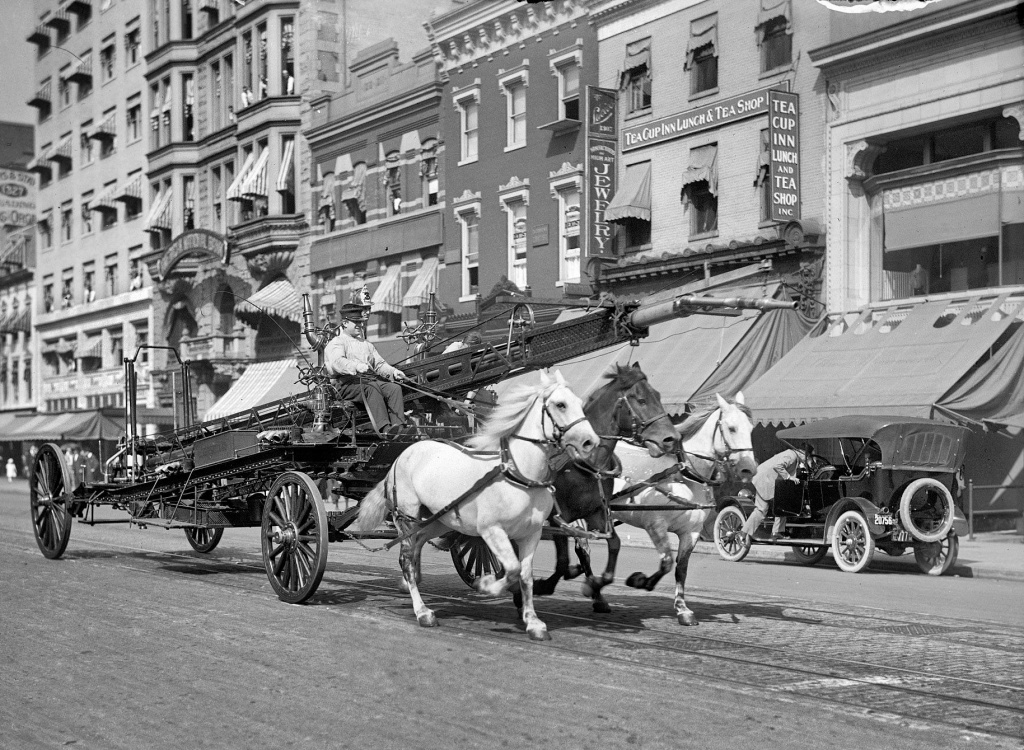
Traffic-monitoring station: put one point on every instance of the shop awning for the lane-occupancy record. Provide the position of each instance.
(94, 425)
(388, 295)
(286, 175)
(25, 427)
(897, 360)
(995, 391)
(235, 188)
(9, 420)
(276, 298)
(421, 286)
(160, 213)
(633, 198)
(255, 185)
(261, 383)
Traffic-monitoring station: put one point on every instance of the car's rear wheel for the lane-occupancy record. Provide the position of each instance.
(728, 539)
(936, 558)
(852, 544)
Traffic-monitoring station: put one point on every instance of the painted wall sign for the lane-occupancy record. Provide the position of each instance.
(17, 198)
(201, 243)
(784, 151)
(601, 158)
(711, 115)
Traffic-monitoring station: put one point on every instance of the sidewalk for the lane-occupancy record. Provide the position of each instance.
(992, 554)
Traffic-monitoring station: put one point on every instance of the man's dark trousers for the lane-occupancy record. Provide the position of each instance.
(383, 398)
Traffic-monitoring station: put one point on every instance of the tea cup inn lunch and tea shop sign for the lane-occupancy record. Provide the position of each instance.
(783, 110)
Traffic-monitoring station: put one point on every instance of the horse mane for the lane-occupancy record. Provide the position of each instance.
(621, 377)
(507, 415)
(691, 425)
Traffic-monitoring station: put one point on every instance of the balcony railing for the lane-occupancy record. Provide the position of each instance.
(214, 347)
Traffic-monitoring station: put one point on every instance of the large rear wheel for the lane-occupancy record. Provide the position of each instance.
(473, 559)
(728, 525)
(809, 555)
(852, 544)
(936, 558)
(926, 510)
(50, 497)
(203, 540)
(294, 537)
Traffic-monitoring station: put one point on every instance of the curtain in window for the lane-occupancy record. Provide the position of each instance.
(763, 165)
(703, 167)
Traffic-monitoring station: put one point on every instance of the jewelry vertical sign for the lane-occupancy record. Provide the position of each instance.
(602, 153)
(784, 147)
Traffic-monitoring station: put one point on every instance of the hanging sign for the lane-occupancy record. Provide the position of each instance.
(601, 157)
(784, 152)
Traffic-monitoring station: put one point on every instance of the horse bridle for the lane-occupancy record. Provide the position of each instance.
(557, 430)
(637, 423)
(720, 457)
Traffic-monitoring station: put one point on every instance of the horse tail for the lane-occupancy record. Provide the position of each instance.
(374, 506)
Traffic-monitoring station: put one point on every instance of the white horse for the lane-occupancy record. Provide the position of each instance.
(714, 440)
(496, 489)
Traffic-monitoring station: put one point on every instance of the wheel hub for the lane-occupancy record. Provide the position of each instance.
(288, 535)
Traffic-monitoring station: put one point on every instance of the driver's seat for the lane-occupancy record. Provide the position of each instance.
(823, 473)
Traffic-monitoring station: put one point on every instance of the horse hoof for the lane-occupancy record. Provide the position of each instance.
(587, 590)
(687, 618)
(428, 620)
(637, 581)
(539, 635)
(602, 608)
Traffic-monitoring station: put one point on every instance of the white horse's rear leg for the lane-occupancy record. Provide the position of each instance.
(409, 558)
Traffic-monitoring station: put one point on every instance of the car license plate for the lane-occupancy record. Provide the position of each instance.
(899, 535)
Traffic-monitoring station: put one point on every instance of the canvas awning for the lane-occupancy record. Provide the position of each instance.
(995, 391)
(255, 185)
(9, 420)
(286, 175)
(638, 55)
(94, 425)
(276, 298)
(261, 383)
(104, 199)
(769, 11)
(388, 295)
(27, 427)
(160, 213)
(235, 188)
(39, 165)
(93, 348)
(897, 360)
(132, 190)
(633, 198)
(106, 129)
(61, 151)
(421, 286)
(703, 32)
(703, 166)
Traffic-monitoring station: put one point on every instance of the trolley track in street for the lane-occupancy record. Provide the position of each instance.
(632, 637)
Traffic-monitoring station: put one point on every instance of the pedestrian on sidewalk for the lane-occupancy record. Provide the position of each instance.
(12, 470)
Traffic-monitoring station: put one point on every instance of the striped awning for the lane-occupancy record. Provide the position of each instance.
(104, 200)
(60, 151)
(286, 175)
(160, 214)
(45, 216)
(81, 69)
(132, 191)
(424, 283)
(106, 129)
(388, 297)
(21, 321)
(261, 383)
(235, 188)
(256, 183)
(93, 347)
(39, 165)
(277, 298)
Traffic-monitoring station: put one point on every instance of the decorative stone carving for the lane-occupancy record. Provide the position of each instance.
(513, 184)
(860, 159)
(565, 170)
(834, 90)
(498, 35)
(1016, 111)
(270, 264)
(467, 197)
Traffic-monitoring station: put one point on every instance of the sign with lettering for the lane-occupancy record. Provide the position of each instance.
(601, 158)
(17, 198)
(201, 243)
(711, 115)
(784, 152)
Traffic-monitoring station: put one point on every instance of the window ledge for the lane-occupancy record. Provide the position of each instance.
(559, 127)
(704, 94)
(639, 113)
(703, 236)
(787, 68)
(468, 298)
(515, 147)
(464, 162)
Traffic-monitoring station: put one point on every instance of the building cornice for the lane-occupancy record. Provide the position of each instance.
(366, 119)
(949, 21)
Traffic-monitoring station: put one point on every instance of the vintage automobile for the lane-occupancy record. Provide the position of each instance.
(875, 482)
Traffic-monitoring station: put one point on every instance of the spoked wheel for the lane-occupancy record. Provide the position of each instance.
(810, 555)
(926, 510)
(936, 558)
(294, 537)
(473, 559)
(852, 544)
(204, 540)
(50, 496)
(728, 524)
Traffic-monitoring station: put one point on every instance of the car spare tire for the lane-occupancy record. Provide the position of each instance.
(926, 510)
